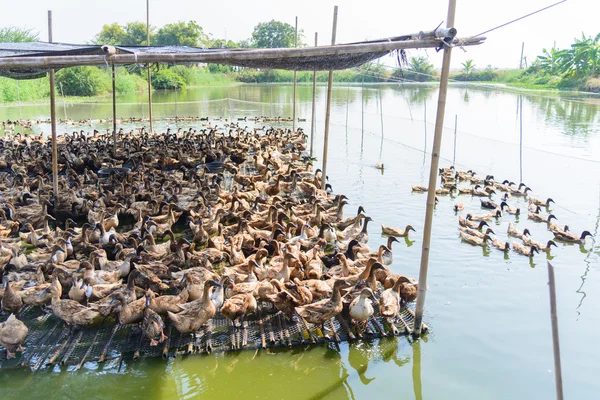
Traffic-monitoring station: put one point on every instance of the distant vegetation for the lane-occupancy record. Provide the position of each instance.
(575, 68)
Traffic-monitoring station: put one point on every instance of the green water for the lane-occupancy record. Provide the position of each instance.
(489, 313)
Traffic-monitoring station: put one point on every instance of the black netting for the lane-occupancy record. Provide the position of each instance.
(49, 342)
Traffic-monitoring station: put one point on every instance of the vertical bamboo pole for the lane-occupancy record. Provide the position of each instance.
(53, 118)
(294, 101)
(62, 94)
(555, 341)
(328, 112)
(520, 138)
(314, 104)
(114, 108)
(149, 73)
(381, 112)
(435, 160)
(455, 126)
(362, 104)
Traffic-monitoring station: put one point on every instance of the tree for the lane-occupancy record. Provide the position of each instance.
(181, 34)
(275, 34)
(12, 34)
(82, 81)
(132, 34)
(468, 67)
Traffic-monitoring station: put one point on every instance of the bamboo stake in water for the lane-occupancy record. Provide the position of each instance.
(555, 341)
(435, 160)
(455, 126)
(114, 108)
(149, 73)
(314, 105)
(294, 101)
(425, 123)
(328, 113)
(53, 117)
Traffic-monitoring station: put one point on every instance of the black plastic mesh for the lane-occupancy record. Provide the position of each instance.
(50, 342)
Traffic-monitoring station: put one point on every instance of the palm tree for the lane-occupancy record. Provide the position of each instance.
(468, 67)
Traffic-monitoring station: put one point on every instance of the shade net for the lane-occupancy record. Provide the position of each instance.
(301, 63)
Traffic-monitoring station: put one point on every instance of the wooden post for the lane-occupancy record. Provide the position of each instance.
(53, 118)
(314, 104)
(328, 112)
(521, 61)
(114, 101)
(455, 126)
(555, 341)
(435, 160)
(294, 101)
(62, 94)
(149, 73)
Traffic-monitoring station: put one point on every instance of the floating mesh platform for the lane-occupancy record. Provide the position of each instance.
(50, 342)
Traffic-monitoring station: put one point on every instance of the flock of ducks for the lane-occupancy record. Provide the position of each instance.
(173, 228)
(474, 228)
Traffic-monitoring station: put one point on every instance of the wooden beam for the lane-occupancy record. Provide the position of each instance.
(229, 57)
(328, 106)
(435, 159)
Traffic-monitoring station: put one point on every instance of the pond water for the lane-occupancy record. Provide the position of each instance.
(488, 312)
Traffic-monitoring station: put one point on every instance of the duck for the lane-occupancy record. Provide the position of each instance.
(475, 232)
(467, 222)
(488, 204)
(70, 311)
(11, 301)
(363, 236)
(152, 325)
(474, 240)
(361, 309)
(572, 238)
(540, 218)
(196, 313)
(511, 210)
(500, 245)
(514, 232)
(389, 304)
(397, 232)
(323, 310)
(538, 202)
(459, 206)
(527, 241)
(485, 217)
(239, 306)
(524, 250)
(12, 334)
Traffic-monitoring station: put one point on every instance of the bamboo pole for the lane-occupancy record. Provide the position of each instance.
(149, 72)
(425, 123)
(295, 82)
(314, 104)
(521, 61)
(62, 94)
(53, 118)
(114, 109)
(555, 341)
(435, 160)
(328, 111)
(230, 57)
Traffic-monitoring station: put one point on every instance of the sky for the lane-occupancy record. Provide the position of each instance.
(78, 21)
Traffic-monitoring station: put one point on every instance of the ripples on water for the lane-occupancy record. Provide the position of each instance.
(488, 312)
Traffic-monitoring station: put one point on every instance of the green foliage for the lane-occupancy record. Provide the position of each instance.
(419, 70)
(224, 44)
(13, 34)
(486, 75)
(12, 90)
(181, 34)
(166, 78)
(83, 81)
(275, 34)
(468, 67)
(132, 34)
(129, 83)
